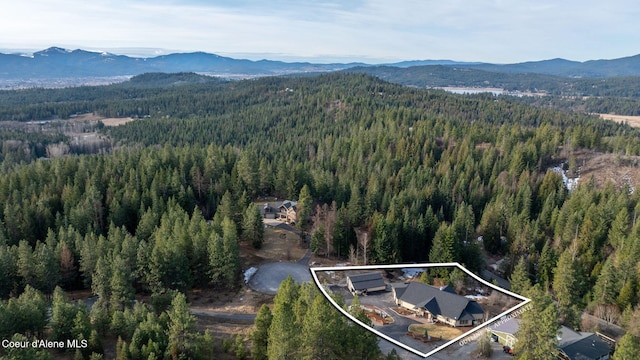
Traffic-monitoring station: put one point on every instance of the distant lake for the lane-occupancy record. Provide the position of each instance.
(462, 90)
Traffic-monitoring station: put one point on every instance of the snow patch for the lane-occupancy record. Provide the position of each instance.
(569, 183)
(249, 273)
(410, 273)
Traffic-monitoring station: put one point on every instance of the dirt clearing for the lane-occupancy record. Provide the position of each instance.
(609, 168)
(279, 245)
(116, 121)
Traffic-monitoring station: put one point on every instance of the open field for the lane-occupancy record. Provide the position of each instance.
(89, 117)
(116, 121)
(633, 121)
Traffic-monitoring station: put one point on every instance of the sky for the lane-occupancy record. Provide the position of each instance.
(371, 31)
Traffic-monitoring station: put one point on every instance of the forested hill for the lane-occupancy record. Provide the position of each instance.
(493, 77)
(425, 172)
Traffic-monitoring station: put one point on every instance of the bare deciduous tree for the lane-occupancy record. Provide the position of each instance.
(57, 150)
(609, 313)
(353, 257)
(329, 225)
(364, 241)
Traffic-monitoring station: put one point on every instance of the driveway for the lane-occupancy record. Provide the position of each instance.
(269, 276)
(396, 330)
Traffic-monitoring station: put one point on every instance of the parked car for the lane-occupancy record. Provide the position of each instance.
(508, 350)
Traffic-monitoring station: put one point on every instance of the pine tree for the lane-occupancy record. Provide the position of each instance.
(619, 229)
(627, 348)
(216, 258)
(122, 350)
(120, 285)
(284, 332)
(231, 252)
(546, 265)
(63, 315)
(321, 331)
(627, 296)
(181, 328)
(253, 226)
(359, 343)
(101, 283)
(519, 279)
(260, 335)
(566, 282)
(304, 207)
(538, 331)
(607, 286)
(247, 166)
(444, 248)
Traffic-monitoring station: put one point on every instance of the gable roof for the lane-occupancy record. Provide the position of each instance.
(437, 302)
(284, 205)
(288, 204)
(366, 281)
(589, 347)
(575, 345)
(399, 289)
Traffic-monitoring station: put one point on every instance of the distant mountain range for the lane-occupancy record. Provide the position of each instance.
(59, 63)
(56, 63)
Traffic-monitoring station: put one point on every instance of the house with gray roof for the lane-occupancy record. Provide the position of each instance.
(366, 283)
(441, 304)
(573, 345)
(285, 210)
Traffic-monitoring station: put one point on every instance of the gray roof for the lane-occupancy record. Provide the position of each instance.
(399, 289)
(509, 326)
(288, 204)
(276, 205)
(367, 281)
(448, 289)
(439, 302)
(576, 345)
(589, 347)
(489, 276)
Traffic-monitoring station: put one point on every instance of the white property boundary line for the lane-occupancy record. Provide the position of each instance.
(313, 270)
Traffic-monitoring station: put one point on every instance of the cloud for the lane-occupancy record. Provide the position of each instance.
(493, 30)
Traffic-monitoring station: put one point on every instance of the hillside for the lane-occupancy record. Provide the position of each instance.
(166, 207)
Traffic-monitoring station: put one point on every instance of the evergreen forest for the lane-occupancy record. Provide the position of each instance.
(163, 206)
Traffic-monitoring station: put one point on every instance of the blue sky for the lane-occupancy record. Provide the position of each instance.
(373, 31)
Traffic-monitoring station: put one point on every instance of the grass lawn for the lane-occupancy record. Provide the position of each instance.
(446, 332)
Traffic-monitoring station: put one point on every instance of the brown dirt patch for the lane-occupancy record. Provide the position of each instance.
(497, 302)
(279, 245)
(377, 315)
(241, 301)
(633, 121)
(437, 330)
(402, 311)
(609, 168)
